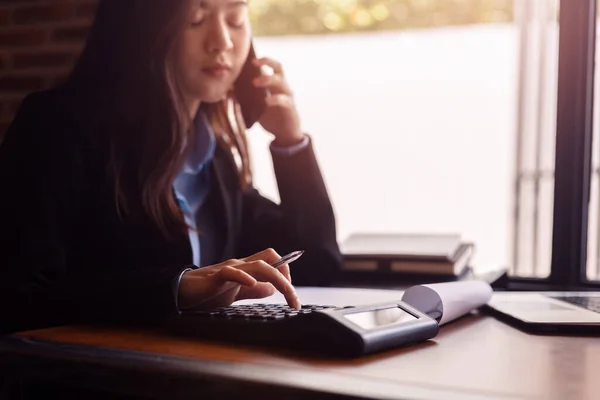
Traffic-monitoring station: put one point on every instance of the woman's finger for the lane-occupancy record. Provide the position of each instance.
(234, 275)
(280, 100)
(269, 256)
(266, 273)
(285, 271)
(258, 291)
(275, 83)
(213, 269)
(231, 263)
(230, 278)
(197, 290)
(275, 65)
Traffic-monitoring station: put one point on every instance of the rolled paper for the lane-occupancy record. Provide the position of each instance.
(448, 301)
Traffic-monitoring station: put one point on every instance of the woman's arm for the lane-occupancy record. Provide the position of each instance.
(304, 220)
(42, 181)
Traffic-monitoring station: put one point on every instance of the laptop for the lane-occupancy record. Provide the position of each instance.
(548, 312)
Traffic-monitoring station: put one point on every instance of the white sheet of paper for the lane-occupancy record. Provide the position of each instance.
(452, 299)
(339, 297)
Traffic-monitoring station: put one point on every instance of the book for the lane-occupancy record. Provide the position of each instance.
(392, 245)
(395, 280)
(442, 255)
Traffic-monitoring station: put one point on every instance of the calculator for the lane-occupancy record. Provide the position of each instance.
(349, 331)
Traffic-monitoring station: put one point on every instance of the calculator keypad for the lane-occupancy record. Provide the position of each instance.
(269, 312)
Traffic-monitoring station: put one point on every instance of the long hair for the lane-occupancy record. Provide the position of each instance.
(125, 75)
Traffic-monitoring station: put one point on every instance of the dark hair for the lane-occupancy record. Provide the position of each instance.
(126, 76)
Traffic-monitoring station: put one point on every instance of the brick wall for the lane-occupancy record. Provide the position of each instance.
(39, 42)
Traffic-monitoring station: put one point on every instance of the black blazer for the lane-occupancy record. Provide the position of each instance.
(67, 257)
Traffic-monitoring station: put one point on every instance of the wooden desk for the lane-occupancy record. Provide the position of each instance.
(475, 357)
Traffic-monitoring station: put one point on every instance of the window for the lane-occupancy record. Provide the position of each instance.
(537, 24)
(429, 116)
(593, 248)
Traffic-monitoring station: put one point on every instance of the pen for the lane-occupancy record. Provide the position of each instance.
(290, 258)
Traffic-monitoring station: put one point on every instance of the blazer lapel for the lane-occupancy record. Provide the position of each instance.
(222, 170)
(183, 246)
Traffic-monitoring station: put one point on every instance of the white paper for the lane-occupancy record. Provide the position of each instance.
(453, 299)
(339, 297)
(449, 300)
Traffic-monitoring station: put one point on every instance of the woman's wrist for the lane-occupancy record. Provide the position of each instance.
(182, 292)
(288, 140)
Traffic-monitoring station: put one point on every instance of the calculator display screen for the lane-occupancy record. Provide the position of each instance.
(378, 318)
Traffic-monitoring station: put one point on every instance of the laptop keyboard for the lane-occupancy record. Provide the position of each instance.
(590, 303)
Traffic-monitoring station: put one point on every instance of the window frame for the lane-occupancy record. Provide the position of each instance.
(573, 164)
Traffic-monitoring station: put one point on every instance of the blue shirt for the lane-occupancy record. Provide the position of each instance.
(192, 185)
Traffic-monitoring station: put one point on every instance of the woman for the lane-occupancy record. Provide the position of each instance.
(119, 184)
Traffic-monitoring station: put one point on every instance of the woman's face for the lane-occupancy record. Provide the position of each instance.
(212, 49)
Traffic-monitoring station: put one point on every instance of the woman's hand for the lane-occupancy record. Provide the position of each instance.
(249, 278)
(280, 117)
